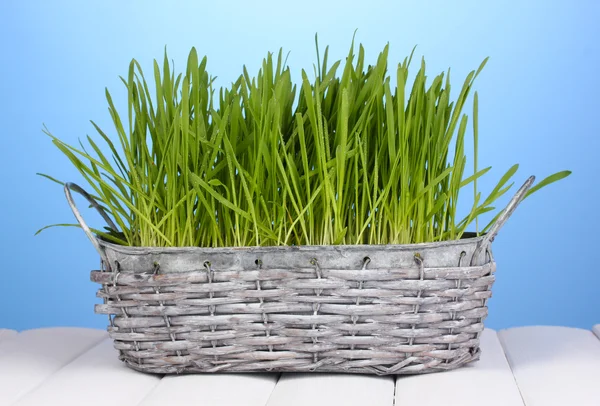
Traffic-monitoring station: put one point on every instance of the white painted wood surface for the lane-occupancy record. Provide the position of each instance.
(596, 330)
(71, 366)
(554, 365)
(32, 356)
(333, 389)
(95, 378)
(488, 382)
(6, 334)
(213, 390)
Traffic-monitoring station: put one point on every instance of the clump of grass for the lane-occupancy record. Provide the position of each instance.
(342, 158)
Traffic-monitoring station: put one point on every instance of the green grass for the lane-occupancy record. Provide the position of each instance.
(340, 158)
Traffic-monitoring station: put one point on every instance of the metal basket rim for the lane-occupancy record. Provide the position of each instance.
(282, 248)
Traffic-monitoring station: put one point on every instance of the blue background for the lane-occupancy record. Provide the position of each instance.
(538, 107)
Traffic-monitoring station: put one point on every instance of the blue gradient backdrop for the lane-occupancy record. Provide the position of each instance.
(538, 107)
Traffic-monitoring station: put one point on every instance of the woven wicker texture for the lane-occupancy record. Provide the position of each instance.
(364, 320)
(391, 309)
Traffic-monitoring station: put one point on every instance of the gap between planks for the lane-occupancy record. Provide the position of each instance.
(213, 390)
(97, 377)
(316, 389)
(30, 357)
(554, 365)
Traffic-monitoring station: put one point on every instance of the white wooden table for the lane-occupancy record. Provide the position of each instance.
(543, 366)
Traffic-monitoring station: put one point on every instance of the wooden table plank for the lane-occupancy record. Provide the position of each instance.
(6, 334)
(596, 330)
(95, 378)
(487, 382)
(324, 389)
(213, 390)
(33, 355)
(554, 365)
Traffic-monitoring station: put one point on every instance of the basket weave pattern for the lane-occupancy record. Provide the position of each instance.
(366, 320)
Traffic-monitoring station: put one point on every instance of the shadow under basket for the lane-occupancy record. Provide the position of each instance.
(374, 309)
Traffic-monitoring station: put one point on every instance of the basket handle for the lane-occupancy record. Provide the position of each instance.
(72, 186)
(504, 215)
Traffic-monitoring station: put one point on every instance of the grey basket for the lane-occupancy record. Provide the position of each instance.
(375, 309)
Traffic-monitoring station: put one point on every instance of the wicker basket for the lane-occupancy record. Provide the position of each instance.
(376, 309)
